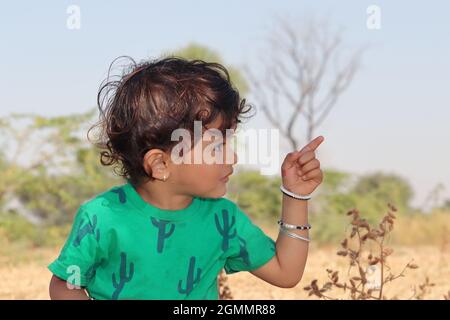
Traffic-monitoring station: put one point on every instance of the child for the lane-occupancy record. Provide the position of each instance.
(168, 232)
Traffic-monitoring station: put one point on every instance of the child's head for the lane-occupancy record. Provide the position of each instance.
(141, 110)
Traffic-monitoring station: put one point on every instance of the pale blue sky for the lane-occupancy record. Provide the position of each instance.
(395, 116)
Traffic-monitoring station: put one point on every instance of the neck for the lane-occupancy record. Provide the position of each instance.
(161, 195)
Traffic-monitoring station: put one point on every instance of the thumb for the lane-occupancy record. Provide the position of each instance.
(290, 159)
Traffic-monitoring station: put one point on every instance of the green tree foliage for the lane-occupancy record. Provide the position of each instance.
(197, 51)
(257, 195)
(54, 178)
(260, 197)
(377, 189)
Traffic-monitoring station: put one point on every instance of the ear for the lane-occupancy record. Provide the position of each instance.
(156, 164)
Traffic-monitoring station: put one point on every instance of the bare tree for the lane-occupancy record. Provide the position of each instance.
(303, 75)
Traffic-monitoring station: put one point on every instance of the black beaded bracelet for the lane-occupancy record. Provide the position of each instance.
(292, 226)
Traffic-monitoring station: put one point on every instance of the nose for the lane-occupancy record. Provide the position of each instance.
(235, 159)
(227, 155)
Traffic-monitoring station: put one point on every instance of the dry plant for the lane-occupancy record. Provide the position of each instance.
(224, 289)
(373, 272)
(447, 296)
(368, 273)
(423, 289)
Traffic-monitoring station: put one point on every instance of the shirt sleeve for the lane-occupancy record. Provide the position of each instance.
(80, 255)
(251, 248)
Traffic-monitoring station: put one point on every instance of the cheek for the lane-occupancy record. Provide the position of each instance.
(203, 180)
(209, 173)
(201, 174)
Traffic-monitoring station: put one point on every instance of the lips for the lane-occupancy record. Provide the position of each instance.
(225, 177)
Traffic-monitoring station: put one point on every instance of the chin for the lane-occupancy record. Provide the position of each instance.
(217, 193)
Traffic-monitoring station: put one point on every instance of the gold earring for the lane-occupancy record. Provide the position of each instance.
(164, 178)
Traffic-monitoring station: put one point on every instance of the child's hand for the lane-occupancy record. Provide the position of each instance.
(300, 164)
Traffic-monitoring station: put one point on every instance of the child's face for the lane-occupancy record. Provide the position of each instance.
(208, 177)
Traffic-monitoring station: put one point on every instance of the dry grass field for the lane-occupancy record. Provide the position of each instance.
(23, 274)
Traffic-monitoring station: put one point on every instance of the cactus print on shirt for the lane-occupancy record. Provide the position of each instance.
(121, 247)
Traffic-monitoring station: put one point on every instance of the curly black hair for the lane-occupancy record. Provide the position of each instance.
(142, 107)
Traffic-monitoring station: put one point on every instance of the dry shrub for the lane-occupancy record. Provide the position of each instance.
(447, 296)
(367, 253)
(224, 289)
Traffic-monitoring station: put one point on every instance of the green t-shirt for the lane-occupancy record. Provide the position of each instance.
(122, 247)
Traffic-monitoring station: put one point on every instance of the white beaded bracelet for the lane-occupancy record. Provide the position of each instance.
(294, 195)
(293, 235)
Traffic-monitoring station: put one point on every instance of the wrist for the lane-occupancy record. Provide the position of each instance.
(294, 200)
(294, 195)
(294, 207)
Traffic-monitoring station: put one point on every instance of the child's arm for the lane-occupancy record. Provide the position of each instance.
(59, 291)
(286, 268)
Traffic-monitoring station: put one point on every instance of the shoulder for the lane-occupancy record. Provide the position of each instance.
(104, 202)
(226, 206)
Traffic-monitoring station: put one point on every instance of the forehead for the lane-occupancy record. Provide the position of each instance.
(214, 129)
(218, 122)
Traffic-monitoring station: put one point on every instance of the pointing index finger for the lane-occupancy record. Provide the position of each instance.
(312, 146)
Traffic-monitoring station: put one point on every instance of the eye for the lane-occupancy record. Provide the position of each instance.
(218, 147)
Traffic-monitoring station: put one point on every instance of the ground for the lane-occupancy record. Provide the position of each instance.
(23, 274)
